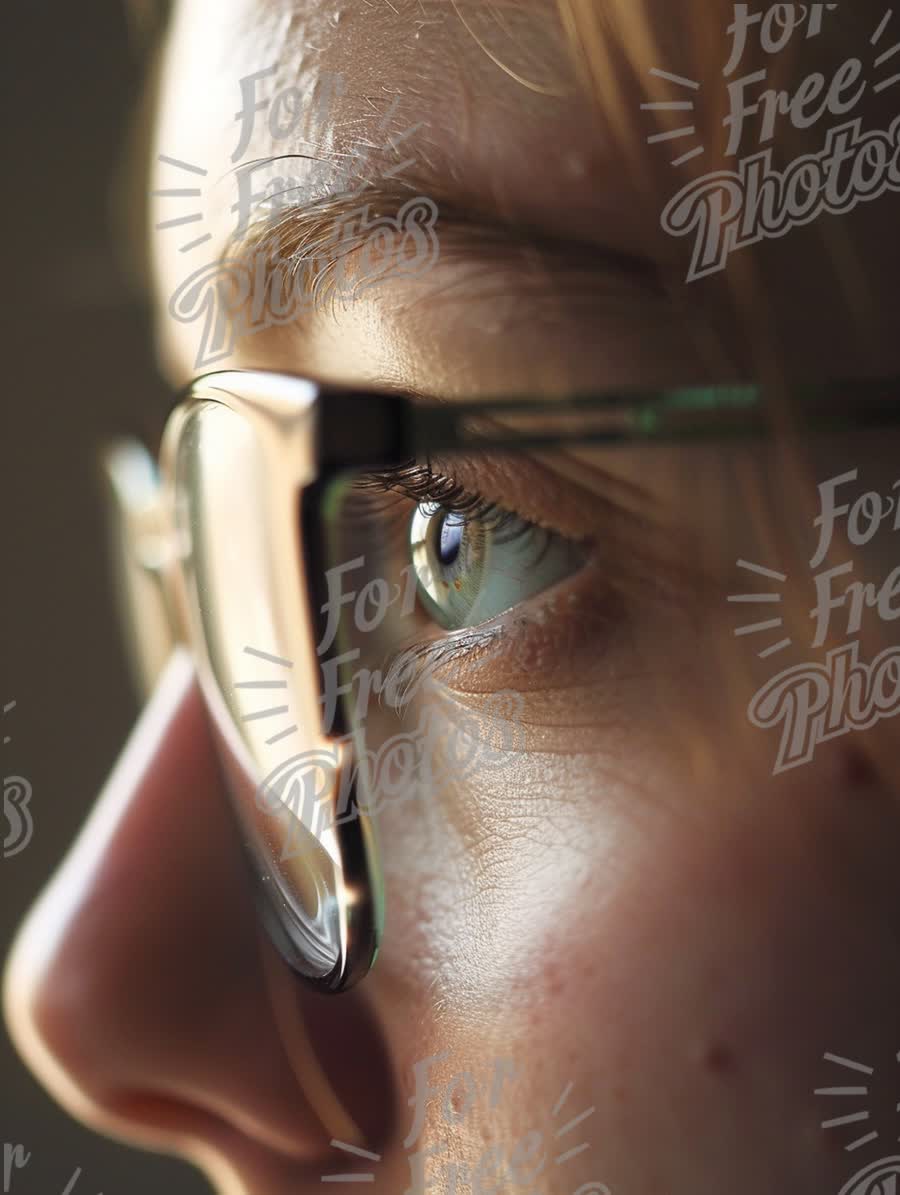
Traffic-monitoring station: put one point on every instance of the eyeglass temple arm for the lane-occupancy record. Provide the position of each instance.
(688, 414)
(393, 428)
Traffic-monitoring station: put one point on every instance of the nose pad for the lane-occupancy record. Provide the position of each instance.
(139, 554)
(135, 988)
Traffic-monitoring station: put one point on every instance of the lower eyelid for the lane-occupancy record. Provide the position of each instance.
(553, 639)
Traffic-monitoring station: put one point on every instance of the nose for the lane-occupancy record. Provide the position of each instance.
(137, 988)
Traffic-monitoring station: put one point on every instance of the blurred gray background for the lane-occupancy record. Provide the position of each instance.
(78, 370)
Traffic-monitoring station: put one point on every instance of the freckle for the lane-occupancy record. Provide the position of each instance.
(719, 1059)
(554, 986)
(828, 1145)
(574, 165)
(857, 770)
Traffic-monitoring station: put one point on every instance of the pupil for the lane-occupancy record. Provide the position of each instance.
(450, 538)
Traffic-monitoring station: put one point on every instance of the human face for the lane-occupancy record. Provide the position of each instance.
(637, 909)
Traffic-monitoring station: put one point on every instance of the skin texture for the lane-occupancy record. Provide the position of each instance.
(637, 908)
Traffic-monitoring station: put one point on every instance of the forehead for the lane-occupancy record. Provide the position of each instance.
(480, 100)
(453, 69)
(482, 103)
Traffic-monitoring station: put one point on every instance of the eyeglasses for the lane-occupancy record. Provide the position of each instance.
(327, 556)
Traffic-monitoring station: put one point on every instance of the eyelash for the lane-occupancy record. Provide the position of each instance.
(437, 491)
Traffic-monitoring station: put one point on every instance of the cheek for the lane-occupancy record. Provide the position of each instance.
(481, 869)
(731, 945)
(689, 956)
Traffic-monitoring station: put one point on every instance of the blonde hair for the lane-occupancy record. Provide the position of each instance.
(614, 45)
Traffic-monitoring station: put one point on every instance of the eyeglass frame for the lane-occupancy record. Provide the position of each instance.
(315, 433)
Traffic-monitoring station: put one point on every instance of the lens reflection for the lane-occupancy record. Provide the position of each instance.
(246, 597)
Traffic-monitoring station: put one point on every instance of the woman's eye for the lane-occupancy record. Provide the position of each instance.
(468, 569)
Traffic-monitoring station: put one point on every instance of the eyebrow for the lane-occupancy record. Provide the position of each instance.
(321, 232)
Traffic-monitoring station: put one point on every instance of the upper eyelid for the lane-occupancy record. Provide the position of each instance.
(421, 485)
(523, 487)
